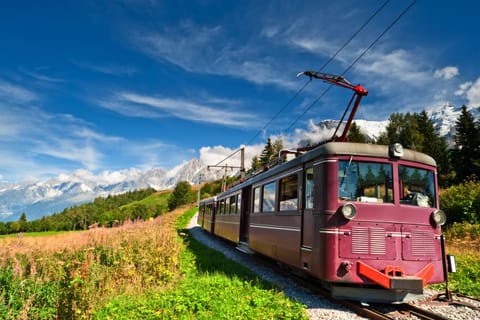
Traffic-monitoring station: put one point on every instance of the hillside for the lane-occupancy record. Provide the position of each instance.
(39, 198)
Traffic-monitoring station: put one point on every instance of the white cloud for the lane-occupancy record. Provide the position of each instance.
(14, 93)
(314, 45)
(189, 46)
(40, 143)
(110, 69)
(151, 153)
(213, 155)
(396, 65)
(473, 94)
(463, 88)
(42, 77)
(446, 73)
(209, 50)
(139, 105)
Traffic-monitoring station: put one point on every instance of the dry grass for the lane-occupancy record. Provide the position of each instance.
(86, 268)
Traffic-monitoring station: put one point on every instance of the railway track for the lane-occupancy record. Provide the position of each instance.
(438, 308)
(423, 310)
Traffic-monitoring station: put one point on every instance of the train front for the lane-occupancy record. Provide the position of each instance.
(380, 237)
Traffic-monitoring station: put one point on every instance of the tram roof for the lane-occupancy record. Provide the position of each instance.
(339, 149)
(369, 150)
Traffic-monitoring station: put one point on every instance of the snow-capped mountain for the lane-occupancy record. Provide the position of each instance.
(39, 198)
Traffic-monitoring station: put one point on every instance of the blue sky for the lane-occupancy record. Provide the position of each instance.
(110, 85)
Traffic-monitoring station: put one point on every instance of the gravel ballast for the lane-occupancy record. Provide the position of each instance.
(317, 306)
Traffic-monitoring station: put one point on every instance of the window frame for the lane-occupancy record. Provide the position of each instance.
(273, 207)
(390, 186)
(283, 186)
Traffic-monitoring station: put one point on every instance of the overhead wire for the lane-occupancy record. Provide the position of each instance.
(354, 62)
(279, 112)
(321, 68)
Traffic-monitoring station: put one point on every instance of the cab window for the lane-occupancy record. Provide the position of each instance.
(365, 181)
(417, 186)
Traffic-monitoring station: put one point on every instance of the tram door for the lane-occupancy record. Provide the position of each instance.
(245, 214)
(307, 203)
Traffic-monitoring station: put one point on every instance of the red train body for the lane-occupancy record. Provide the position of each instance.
(363, 219)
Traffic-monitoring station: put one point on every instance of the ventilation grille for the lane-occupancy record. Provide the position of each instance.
(423, 243)
(368, 240)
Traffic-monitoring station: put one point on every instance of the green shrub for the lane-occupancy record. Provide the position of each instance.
(464, 231)
(461, 203)
(466, 281)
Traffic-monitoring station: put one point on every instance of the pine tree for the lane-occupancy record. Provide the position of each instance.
(410, 136)
(354, 134)
(182, 194)
(23, 224)
(433, 145)
(277, 147)
(267, 153)
(403, 128)
(256, 163)
(466, 154)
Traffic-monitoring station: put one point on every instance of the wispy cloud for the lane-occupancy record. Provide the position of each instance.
(462, 88)
(208, 50)
(473, 94)
(151, 153)
(138, 105)
(109, 69)
(14, 93)
(446, 73)
(36, 139)
(42, 77)
(183, 45)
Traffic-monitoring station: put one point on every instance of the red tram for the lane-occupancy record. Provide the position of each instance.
(363, 219)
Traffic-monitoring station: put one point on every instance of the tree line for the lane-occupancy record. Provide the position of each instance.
(417, 131)
(109, 211)
(458, 168)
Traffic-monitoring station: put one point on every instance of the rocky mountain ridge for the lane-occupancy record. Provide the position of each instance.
(39, 198)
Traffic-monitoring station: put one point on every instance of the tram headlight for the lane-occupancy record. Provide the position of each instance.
(439, 217)
(349, 211)
(396, 150)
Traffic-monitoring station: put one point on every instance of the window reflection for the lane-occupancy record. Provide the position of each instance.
(365, 181)
(268, 197)
(289, 193)
(309, 188)
(417, 186)
(256, 200)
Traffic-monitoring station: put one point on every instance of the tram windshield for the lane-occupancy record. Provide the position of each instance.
(372, 182)
(417, 186)
(365, 181)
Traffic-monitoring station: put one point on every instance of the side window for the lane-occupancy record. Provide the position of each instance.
(221, 206)
(268, 204)
(233, 204)
(289, 193)
(309, 188)
(239, 203)
(227, 205)
(256, 200)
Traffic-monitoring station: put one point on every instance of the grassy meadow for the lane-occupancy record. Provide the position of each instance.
(463, 241)
(155, 270)
(141, 270)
